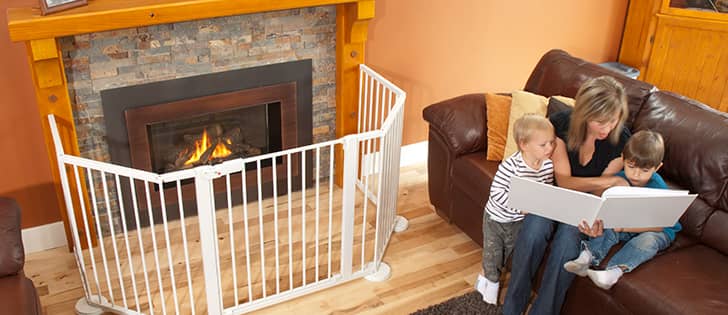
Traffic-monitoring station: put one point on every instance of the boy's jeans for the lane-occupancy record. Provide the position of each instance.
(640, 247)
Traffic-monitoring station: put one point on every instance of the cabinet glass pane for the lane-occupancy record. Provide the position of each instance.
(720, 6)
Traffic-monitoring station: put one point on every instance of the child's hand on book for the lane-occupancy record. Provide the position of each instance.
(595, 230)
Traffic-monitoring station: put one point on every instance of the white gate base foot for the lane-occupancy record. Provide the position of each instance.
(400, 224)
(83, 308)
(382, 274)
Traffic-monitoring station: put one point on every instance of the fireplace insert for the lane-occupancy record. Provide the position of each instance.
(183, 123)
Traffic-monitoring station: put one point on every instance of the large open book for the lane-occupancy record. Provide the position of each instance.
(618, 207)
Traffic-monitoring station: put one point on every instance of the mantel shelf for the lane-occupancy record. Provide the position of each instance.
(103, 15)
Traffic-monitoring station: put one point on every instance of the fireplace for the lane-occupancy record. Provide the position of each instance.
(202, 120)
(212, 129)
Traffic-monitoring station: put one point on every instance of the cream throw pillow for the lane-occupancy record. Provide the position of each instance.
(522, 103)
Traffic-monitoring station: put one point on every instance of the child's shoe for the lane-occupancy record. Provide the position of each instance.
(580, 265)
(605, 279)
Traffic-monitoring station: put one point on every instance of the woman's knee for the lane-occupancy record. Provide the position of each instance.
(535, 229)
(566, 241)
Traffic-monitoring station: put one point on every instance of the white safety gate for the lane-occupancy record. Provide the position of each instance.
(217, 249)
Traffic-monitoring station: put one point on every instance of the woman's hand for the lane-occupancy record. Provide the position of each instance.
(595, 230)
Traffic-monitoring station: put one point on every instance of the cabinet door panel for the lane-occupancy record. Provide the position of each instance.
(690, 57)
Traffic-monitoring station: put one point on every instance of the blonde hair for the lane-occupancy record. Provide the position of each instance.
(645, 149)
(598, 99)
(524, 127)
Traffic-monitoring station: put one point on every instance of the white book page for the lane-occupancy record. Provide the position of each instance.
(625, 191)
(559, 204)
(643, 211)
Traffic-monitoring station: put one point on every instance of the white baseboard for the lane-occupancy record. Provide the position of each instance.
(415, 153)
(44, 237)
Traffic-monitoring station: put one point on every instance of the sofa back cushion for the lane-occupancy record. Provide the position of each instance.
(696, 158)
(12, 256)
(558, 73)
(461, 121)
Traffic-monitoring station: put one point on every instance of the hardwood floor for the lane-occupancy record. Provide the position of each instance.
(431, 261)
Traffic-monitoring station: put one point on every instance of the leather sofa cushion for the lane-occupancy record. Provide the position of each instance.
(691, 280)
(461, 122)
(558, 73)
(690, 126)
(472, 174)
(18, 295)
(12, 256)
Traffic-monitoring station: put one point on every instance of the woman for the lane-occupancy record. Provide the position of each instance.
(589, 143)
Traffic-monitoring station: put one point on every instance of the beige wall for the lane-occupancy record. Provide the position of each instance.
(450, 47)
(24, 168)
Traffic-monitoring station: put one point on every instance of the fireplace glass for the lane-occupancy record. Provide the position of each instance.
(215, 137)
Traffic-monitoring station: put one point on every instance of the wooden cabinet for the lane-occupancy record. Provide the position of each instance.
(679, 49)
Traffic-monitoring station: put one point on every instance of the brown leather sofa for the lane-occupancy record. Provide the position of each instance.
(690, 277)
(17, 292)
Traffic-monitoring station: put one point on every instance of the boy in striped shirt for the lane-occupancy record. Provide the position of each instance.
(535, 137)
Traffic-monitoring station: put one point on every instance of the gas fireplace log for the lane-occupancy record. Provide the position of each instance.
(214, 130)
(205, 157)
(235, 135)
(184, 155)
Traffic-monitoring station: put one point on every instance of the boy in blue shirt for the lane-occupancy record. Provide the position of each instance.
(642, 158)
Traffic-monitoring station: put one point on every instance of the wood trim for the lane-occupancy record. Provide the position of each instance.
(51, 93)
(352, 21)
(639, 29)
(103, 15)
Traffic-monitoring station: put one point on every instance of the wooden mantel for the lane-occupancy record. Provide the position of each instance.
(41, 35)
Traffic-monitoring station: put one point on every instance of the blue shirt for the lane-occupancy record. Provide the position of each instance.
(656, 181)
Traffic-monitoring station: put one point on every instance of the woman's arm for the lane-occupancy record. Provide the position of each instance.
(562, 172)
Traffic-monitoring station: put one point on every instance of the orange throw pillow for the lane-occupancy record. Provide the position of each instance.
(498, 111)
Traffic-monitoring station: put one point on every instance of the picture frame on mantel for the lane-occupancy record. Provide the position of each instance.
(51, 6)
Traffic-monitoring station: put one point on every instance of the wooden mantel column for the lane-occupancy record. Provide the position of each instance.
(42, 32)
(51, 93)
(352, 21)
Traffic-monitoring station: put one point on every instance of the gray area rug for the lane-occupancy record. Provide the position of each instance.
(469, 303)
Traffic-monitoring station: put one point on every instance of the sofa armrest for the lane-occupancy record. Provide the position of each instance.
(461, 122)
(12, 256)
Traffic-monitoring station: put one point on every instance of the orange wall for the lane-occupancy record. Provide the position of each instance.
(24, 167)
(433, 51)
(451, 47)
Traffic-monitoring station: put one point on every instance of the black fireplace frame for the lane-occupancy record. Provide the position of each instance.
(116, 102)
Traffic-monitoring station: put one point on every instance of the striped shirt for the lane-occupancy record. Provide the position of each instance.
(499, 189)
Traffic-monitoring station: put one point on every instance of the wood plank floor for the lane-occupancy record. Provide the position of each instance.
(431, 261)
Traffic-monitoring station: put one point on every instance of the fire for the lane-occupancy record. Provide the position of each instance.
(202, 145)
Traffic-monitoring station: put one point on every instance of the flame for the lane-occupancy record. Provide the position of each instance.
(205, 143)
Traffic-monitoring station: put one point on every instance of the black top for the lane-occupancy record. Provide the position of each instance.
(604, 151)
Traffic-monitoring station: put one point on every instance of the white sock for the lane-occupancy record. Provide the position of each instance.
(605, 279)
(579, 265)
(491, 292)
(480, 284)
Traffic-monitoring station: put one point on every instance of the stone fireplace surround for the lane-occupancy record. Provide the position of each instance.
(113, 59)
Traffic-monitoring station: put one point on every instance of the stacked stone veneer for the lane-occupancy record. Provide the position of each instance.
(99, 61)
